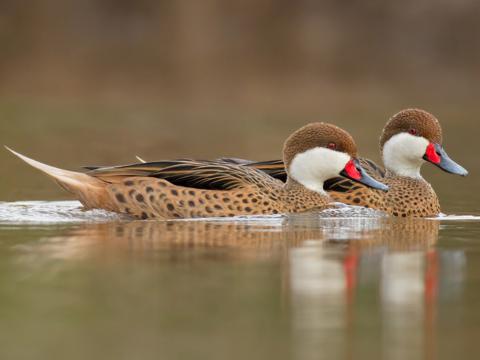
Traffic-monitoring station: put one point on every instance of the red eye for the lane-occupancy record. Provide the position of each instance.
(412, 131)
(332, 146)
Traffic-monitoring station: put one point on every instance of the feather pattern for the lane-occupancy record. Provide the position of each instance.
(200, 174)
(220, 174)
(274, 168)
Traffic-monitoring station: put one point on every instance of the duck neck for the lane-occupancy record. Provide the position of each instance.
(315, 187)
(412, 172)
(299, 195)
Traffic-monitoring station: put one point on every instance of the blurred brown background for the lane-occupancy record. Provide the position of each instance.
(98, 82)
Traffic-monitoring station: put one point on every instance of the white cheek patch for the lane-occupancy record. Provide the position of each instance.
(313, 167)
(403, 154)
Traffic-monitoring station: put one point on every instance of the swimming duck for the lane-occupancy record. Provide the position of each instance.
(409, 139)
(195, 188)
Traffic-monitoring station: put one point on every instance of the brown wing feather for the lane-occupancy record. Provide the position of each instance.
(236, 161)
(201, 174)
(218, 174)
(274, 168)
(372, 169)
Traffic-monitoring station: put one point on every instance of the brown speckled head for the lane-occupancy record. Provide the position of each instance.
(318, 135)
(415, 121)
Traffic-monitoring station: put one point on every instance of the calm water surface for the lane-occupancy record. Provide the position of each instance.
(349, 284)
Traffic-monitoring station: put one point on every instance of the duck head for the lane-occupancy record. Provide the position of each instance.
(411, 138)
(318, 152)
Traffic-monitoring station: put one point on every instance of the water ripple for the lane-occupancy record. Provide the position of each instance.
(51, 212)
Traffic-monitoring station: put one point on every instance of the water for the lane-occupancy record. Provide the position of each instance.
(344, 284)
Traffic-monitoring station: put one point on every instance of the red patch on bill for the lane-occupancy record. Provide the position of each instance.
(432, 154)
(352, 171)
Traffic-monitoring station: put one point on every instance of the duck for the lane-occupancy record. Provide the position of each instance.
(411, 138)
(188, 188)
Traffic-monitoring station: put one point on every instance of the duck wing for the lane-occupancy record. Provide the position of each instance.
(223, 173)
(274, 168)
(200, 174)
(372, 169)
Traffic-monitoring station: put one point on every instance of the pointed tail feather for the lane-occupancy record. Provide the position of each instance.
(90, 191)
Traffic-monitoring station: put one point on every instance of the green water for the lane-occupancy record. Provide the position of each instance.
(286, 288)
(303, 287)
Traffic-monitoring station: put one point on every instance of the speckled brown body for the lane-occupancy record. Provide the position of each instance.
(144, 197)
(407, 197)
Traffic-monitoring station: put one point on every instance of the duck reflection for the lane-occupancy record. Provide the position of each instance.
(396, 256)
(245, 237)
(334, 270)
(242, 239)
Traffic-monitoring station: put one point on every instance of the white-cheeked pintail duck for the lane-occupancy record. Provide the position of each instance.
(192, 188)
(409, 139)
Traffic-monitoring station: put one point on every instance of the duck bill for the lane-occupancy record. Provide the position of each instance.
(439, 157)
(355, 172)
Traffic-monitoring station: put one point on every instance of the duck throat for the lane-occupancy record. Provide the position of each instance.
(314, 166)
(403, 155)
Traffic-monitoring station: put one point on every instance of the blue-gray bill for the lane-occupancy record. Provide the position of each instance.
(447, 164)
(355, 172)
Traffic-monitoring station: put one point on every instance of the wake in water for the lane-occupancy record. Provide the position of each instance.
(445, 217)
(53, 212)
